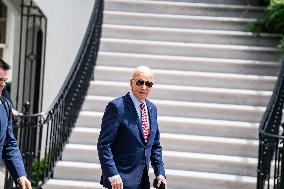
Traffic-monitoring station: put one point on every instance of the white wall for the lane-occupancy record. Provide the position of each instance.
(67, 22)
(12, 34)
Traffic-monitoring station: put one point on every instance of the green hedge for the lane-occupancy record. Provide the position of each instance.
(38, 168)
(272, 21)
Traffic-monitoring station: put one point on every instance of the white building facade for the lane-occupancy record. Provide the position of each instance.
(40, 39)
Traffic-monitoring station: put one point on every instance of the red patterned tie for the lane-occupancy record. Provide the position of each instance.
(145, 123)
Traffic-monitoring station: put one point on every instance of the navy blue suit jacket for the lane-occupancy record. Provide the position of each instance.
(9, 150)
(6, 94)
(121, 147)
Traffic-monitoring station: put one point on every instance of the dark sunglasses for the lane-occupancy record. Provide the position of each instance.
(141, 82)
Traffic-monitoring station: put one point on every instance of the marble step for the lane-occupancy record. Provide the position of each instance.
(193, 64)
(177, 179)
(214, 2)
(191, 78)
(72, 184)
(187, 126)
(176, 160)
(177, 21)
(186, 93)
(189, 49)
(189, 35)
(184, 8)
(183, 143)
(190, 109)
(228, 112)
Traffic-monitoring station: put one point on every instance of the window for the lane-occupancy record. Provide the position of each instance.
(3, 23)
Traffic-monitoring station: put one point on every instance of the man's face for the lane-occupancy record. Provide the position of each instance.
(3, 78)
(139, 85)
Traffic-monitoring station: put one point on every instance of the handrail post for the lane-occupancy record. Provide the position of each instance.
(28, 150)
(27, 107)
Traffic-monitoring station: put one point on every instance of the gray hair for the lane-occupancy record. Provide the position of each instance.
(142, 69)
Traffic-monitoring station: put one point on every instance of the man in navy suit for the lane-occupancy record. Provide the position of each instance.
(9, 151)
(6, 94)
(130, 137)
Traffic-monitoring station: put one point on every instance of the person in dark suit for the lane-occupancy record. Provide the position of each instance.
(130, 138)
(9, 150)
(6, 94)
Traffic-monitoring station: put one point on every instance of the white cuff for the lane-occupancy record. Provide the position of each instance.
(161, 176)
(113, 177)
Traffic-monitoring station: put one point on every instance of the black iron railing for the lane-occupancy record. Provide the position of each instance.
(270, 172)
(42, 136)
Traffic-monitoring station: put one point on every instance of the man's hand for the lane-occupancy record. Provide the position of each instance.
(117, 183)
(16, 113)
(24, 182)
(160, 180)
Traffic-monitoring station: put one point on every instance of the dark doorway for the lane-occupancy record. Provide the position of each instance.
(31, 58)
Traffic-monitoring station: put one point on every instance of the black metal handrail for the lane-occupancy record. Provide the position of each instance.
(270, 171)
(42, 136)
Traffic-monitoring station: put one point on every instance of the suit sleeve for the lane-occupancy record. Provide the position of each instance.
(11, 154)
(109, 128)
(6, 94)
(156, 154)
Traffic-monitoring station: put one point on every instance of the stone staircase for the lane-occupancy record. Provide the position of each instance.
(212, 83)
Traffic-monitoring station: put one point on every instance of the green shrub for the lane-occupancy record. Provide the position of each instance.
(38, 170)
(272, 21)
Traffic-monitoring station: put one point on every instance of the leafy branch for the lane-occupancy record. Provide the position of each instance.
(272, 21)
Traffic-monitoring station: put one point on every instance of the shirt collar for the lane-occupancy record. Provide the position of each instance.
(134, 99)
